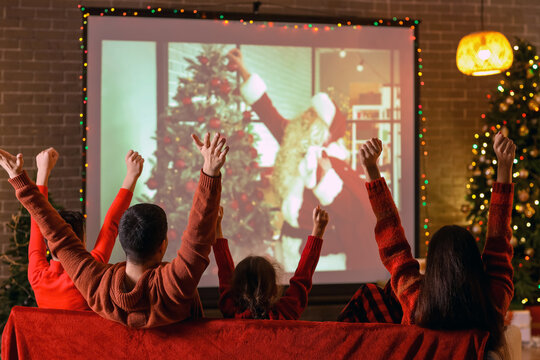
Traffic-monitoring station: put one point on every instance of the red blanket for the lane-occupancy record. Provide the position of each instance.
(33, 333)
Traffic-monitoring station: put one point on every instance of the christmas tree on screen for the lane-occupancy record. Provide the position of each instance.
(514, 110)
(209, 101)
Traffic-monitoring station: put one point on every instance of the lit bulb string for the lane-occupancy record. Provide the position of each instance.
(291, 22)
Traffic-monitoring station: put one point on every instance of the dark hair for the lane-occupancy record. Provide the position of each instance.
(142, 230)
(76, 220)
(254, 286)
(454, 293)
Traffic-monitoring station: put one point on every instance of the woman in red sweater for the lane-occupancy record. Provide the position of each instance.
(461, 289)
(250, 291)
(51, 284)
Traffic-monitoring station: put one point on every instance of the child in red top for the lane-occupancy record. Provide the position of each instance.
(461, 289)
(51, 284)
(250, 290)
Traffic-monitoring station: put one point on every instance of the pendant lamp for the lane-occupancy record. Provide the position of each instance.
(484, 52)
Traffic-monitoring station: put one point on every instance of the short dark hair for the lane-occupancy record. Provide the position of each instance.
(254, 286)
(454, 293)
(76, 220)
(142, 230)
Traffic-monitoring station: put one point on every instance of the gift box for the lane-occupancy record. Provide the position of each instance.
(522, 319)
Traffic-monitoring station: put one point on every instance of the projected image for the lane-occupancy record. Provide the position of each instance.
(295, 116)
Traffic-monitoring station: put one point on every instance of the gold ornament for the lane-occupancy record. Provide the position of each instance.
(505, 131)
(476, 229)
(489, 182)
(513, 241)
(534, 152)
(519, 208)
(537, 98)
(465, 208)
(523, 173)
(509, 100)
(523, 130)
(529, 252)
(529, 211)
(533, 105)
(477, 172)
(523, 195)
(503, 107)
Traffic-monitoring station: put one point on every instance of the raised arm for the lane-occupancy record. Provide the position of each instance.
(394, 249)
(225, 265)
(498, 251)
(295, 300)
(37, 259)
(253, 90)
(63, 242)
(187, 268)
(107, 236)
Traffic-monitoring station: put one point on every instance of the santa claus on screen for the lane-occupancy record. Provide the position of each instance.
(311, 169)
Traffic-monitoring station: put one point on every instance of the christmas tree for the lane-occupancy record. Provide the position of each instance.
(16, 290)
(514, 110)
(209, 101)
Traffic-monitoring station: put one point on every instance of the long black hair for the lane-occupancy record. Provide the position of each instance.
(254, 286)
(454, 294)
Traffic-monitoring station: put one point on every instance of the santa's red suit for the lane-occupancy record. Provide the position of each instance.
(340, 190)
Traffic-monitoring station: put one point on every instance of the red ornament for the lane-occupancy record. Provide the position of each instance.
(179, 164)
(191, 186)
(244, 197)
(152, 183)
(232, 66)
(203, 60)
(167, 140)
(240, 134)
(254, 165)
(225, 89)
(234, 205)
(215, 82)
(246, 115)
(249, 207)
(186, 101)
(215, 123)
(200, 119)
(253, 152)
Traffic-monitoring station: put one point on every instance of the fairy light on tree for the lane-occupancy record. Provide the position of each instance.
(514, 110)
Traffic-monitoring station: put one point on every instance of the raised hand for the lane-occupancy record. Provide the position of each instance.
(320, 220)
(134, 164)
(45, 161)
(219, 232)
(369, 154)
(213, 152)
(505, 149)
(236, 61)
(12, 164)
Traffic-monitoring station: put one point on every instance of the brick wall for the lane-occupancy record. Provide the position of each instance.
(40, 88)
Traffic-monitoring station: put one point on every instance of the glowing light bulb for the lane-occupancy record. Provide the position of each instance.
(483, 54)
(342, 54)
(359, 67)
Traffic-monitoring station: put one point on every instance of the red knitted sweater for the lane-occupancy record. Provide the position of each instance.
(291, 305)
(396, 254)
(164, 294)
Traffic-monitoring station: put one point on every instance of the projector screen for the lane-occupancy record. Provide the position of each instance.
(311, 97)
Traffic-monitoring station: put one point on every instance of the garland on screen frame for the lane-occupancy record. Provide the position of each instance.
(293, 23)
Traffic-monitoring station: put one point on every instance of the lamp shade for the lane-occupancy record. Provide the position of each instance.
(484, 53)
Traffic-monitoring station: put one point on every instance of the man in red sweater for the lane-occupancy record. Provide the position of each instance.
(142, 292)
(51, 284)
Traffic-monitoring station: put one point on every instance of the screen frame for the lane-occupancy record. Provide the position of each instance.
(321, 294)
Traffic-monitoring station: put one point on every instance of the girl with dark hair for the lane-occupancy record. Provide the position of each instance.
(251, 291)
(461, 288)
